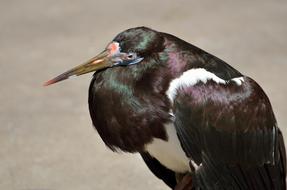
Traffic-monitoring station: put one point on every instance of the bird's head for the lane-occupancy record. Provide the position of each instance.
(128, 48)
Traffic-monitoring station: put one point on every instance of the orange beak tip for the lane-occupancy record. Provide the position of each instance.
(49, 82)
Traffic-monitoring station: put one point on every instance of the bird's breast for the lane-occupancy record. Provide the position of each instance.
(169, 153)
(127, 114)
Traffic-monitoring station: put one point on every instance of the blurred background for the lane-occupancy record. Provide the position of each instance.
(47, 141)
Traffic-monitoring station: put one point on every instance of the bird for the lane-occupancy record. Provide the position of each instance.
(196, 121)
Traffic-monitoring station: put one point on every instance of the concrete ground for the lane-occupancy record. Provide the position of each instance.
(47, 141)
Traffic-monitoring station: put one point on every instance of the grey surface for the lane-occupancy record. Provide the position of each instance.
(47, 141)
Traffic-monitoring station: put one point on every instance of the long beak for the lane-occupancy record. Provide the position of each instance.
(101, 61)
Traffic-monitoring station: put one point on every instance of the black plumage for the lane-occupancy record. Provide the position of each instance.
(233, 137)
(222, 118)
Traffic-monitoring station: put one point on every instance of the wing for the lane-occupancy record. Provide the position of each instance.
(230, 132)
(159, 170)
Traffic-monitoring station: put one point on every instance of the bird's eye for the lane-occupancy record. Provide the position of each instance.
(127, 59)
(131, 56)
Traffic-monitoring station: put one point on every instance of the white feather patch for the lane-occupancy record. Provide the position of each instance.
(194, 76)
(169, 153)
(190, 78)
(238, 80)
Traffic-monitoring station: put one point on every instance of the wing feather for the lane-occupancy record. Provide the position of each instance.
(230, 131)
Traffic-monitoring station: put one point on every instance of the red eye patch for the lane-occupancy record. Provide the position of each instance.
(114, 48)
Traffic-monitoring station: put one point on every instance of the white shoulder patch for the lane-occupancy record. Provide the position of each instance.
(238, 80)
(192, 77)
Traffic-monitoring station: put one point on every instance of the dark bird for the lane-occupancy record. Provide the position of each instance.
(197, 122)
